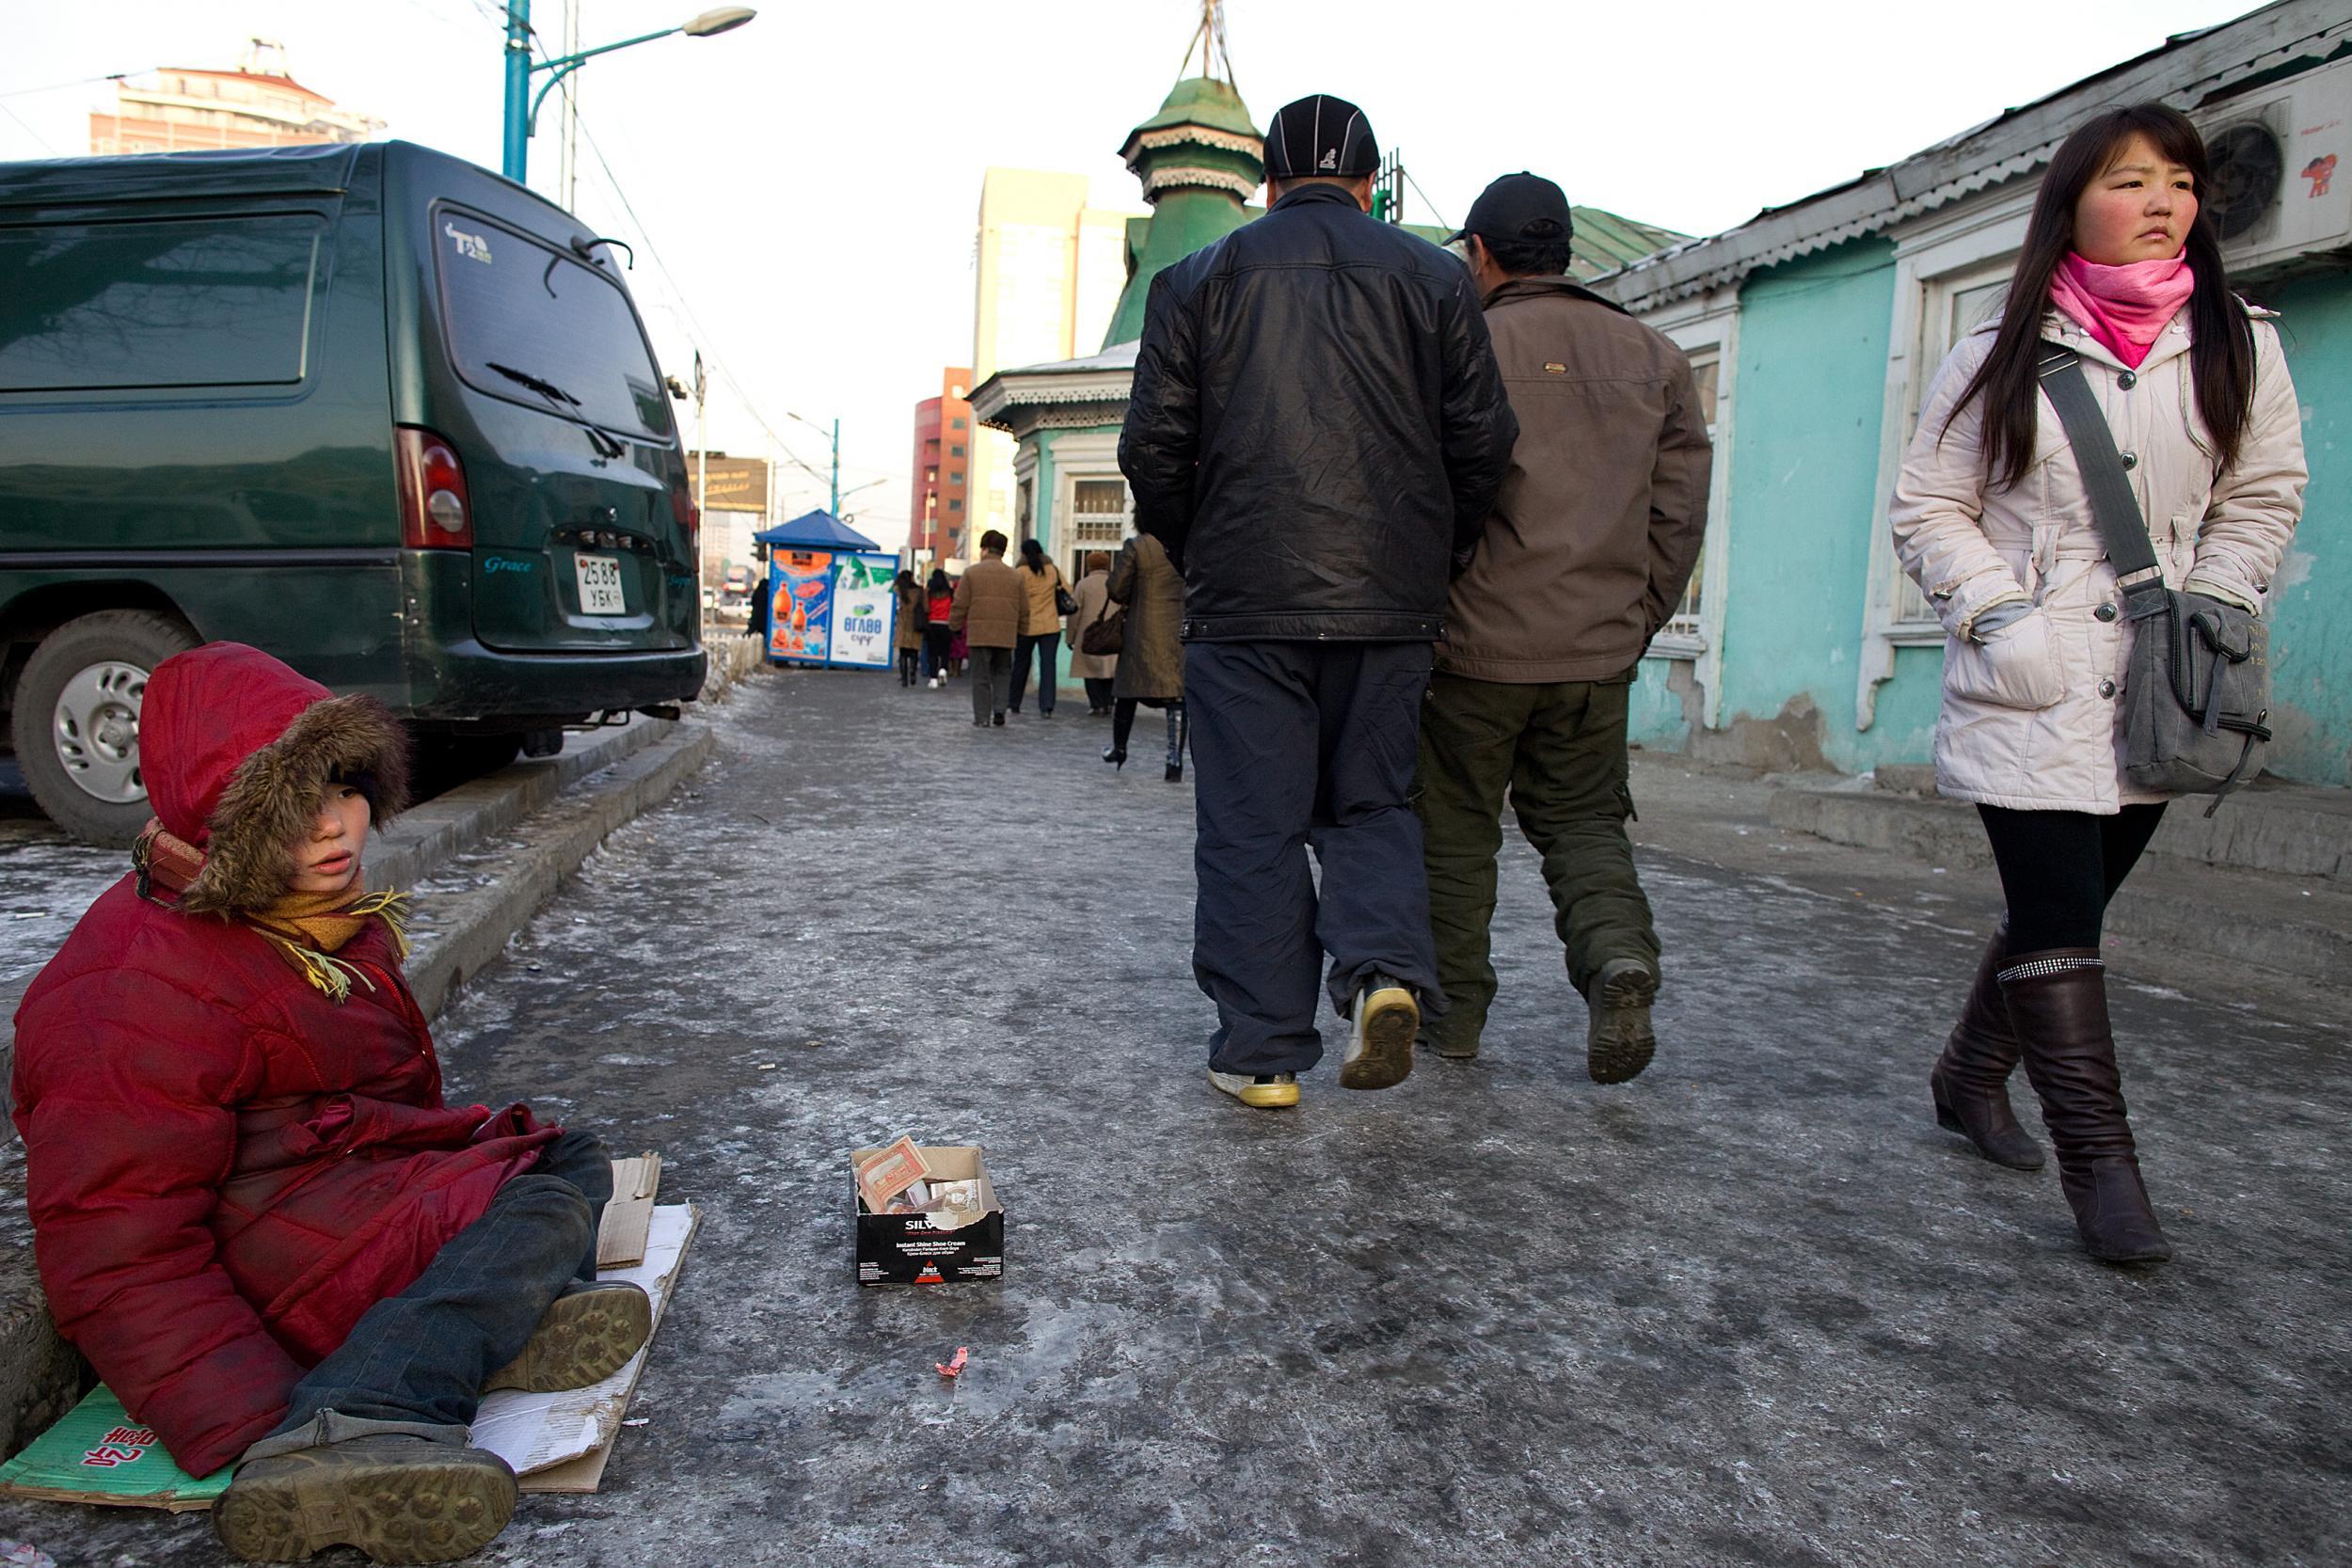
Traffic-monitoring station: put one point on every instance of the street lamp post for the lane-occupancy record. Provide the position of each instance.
(523, 109)
(835, 437)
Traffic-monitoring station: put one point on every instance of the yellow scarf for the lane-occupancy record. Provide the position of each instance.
(311, 928)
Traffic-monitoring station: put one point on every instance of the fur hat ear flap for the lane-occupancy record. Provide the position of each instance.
(273, 799)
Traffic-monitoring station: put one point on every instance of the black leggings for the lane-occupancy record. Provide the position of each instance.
(2059, 869)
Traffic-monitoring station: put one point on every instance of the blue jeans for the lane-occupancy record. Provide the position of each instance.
(420, 1358)
(1297, 745)
(1043, 647)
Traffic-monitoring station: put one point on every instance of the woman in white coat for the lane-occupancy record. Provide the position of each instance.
(1991, 520)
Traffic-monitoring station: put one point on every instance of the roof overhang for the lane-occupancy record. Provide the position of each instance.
(1018, 401)
(2187, 72)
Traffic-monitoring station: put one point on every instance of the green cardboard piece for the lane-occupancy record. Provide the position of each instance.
(97, 1455)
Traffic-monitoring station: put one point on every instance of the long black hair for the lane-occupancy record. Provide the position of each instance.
(2221, 347)
(940, 582)
(1033, 556)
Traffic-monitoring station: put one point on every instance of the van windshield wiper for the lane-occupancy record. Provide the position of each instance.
(557, 397)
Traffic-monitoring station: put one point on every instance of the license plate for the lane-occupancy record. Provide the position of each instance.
(600, 585)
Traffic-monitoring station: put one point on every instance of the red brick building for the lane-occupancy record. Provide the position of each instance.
(940, 517)
(178, 109)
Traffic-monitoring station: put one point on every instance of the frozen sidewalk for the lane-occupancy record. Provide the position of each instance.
(1751, 1309)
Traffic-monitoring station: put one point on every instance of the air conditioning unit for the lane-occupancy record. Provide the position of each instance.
(2282, 155)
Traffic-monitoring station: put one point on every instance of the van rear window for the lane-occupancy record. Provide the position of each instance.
(520, 313)
(195, 302)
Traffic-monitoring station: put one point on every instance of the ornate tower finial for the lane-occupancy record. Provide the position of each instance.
(1209, 39)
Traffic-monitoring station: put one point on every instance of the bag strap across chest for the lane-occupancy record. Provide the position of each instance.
(2113, 507)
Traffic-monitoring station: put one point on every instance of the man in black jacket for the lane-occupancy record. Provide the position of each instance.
(1316, 431)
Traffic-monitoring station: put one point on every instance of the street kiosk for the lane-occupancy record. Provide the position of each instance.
(830, 600)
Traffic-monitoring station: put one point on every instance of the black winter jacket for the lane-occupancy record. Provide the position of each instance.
(1316, 426)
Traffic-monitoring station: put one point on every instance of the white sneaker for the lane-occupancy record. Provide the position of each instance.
(1380, 1035)
(1267, 1091)
(935, 683)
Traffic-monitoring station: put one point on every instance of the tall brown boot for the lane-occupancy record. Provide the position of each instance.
(2058, 1004)
(1970, 1080)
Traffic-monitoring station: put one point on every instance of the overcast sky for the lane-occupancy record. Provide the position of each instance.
(810, 182)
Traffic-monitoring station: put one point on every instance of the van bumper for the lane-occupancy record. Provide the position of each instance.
(463, 682)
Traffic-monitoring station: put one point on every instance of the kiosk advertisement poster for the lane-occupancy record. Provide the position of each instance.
(799, 623)
(865, 611)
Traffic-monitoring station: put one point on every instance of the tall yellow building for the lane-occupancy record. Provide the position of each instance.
(1050, 269)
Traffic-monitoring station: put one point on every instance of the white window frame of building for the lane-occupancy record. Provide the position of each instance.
(1706, 328)
(1936, 258)
(1093, 457)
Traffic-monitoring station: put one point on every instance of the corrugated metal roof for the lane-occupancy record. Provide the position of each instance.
(2185, 70)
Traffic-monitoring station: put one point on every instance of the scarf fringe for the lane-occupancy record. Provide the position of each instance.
(333, 976)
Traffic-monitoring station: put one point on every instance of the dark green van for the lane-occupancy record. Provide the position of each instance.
(381, 412)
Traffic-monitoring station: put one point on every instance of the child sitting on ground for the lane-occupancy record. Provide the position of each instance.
(251, 1209)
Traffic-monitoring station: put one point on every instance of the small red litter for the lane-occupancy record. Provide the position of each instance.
(954, 1368)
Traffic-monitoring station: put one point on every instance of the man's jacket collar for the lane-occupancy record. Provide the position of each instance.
(1315, 193)
(1529, 288)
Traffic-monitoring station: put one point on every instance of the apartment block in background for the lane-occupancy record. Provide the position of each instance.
(184, 108)
(941, 513)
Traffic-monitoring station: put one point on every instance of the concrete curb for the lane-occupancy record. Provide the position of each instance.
(638, 767)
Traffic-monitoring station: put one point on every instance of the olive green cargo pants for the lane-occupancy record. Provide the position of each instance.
(1560, 750)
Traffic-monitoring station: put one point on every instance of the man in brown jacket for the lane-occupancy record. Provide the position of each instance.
(1590, 544)
(993, 612)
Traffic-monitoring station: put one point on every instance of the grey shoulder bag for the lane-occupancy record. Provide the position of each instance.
(2197, 687)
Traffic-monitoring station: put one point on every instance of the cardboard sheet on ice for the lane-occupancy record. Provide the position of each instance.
(96, 1454)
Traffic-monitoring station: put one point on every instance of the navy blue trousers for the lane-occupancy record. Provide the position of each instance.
(1300, 745)
(422, 1355)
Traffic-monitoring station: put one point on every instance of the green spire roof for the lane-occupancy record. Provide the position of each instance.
(1201, 101)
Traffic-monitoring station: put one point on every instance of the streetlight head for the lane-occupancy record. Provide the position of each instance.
(726, 19)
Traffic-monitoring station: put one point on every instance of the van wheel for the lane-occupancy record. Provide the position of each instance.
(77, 720)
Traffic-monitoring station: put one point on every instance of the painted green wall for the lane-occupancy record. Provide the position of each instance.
(1811, 379)
(2311, 636)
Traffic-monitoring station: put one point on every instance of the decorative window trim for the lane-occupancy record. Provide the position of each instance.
(1707, 323)
(1930, 253)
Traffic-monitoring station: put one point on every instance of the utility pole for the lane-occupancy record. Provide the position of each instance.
(835, 507)
(702, 473)
(517, 88)
(570, 171)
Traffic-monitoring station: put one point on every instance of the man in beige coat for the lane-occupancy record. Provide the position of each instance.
(993, 612)
(1593, 537)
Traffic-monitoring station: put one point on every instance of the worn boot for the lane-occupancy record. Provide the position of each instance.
(1619, 1039)
(2058, 1004)
(588, 1333)
(1970, 1080)
(397, 1499)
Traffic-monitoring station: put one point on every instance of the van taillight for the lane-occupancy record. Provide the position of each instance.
(690, 521)
(435, 512)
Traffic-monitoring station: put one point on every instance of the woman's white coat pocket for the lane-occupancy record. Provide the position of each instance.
(2017, 667)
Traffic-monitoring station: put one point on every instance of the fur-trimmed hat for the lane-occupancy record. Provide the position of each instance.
(237, 750)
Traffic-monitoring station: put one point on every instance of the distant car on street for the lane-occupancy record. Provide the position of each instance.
(736, 586)
(372, 409)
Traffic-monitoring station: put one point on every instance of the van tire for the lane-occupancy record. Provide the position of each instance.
(117, 650)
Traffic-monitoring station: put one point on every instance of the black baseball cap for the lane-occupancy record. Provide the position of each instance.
(1321, 134)
(1516, 208)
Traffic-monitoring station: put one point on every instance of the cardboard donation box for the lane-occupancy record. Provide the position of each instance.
(926, 1216)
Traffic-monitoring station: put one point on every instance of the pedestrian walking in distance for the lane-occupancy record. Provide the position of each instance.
(939, 604)
(991, 612)
(1096, 669)
(1047, 588)
(1993, 519)
(1152, 649)
(1314, 431)
(1592, 539)
(913, 610)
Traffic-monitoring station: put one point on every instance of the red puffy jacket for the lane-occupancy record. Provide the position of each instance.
(225, 1167)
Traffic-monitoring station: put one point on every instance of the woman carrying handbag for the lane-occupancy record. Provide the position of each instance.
(1151, 652)
(1092, 599)
(2124, 391)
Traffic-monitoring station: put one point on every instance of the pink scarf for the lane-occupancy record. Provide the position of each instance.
(2126, 307)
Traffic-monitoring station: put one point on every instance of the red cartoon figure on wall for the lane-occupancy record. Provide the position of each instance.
(2317, 171)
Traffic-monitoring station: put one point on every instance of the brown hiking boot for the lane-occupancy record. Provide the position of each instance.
(589, 1333)
(397, 1499)
(1618, 1042)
